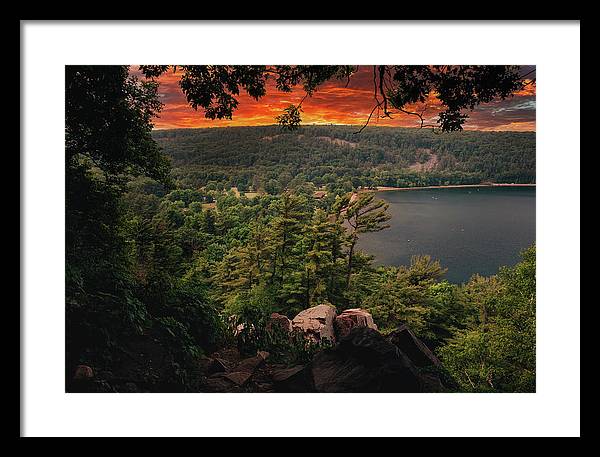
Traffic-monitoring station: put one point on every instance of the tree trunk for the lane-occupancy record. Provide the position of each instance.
(350, 258)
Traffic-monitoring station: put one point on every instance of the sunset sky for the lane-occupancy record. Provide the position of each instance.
(333, 103)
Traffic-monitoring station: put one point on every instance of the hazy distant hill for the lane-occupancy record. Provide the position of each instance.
(253, 156)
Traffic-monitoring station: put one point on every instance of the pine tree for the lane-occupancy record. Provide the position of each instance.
(285, 230)
(319, 237)
(363, 214)
(245, 266)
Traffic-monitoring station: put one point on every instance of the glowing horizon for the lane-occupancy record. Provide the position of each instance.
(333, 103)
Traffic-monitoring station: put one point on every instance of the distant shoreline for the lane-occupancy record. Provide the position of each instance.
(451, 186)
(353, 126)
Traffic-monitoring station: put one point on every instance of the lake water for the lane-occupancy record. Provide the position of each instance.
(469, 230)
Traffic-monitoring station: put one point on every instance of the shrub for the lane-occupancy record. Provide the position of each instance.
(249, 315)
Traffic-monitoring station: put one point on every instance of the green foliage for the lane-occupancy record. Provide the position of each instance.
(422, 272)
(177, 338)
(300, 251)
(393, 303)
(255, 305)
(293, 349)
(403, 295)
(125, 237)
(291, 118)
(363, 214)
(448, 313)
(108, 141)
(109, 122)
(249, 316)
(496, 352)
(135, 314)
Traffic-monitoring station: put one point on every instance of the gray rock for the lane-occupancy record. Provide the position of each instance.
(351, 318)
(316, 323)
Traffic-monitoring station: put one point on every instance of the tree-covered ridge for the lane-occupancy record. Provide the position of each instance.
(267, 158)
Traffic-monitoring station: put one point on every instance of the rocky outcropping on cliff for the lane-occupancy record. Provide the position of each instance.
(360, 359)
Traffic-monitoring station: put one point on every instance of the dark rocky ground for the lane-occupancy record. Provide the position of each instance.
(364, 360)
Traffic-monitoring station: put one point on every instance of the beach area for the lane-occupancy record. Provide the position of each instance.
(450, 186)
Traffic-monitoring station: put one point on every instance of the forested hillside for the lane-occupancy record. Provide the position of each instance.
(268, 158)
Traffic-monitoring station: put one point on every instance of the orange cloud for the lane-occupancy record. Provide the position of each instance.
(333, 103)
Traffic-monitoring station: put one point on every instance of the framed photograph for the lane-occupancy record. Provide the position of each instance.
(233, 233)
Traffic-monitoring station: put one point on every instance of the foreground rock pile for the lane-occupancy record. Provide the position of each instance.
(321, 322)
(362, 359)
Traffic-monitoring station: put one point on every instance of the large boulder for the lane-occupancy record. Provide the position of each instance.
(246, 368)
(316, 323)
(238, 376)
(351, 318)
(418, 353)
(279, 322)
(364, 361)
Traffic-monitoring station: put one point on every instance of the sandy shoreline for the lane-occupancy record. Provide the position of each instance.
(451, 186)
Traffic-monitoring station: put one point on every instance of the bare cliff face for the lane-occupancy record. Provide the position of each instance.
(429, 164)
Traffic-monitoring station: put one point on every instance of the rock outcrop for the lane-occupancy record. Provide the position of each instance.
(321, 322)
(279, 322)
(418, 353)
(223, 381)
(316, 323)
(361, 360)
(217, 365)
(351, 318)
(293, 379)
(364, 361)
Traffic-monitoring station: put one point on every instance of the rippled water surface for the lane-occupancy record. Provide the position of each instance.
(473, 230)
